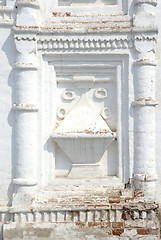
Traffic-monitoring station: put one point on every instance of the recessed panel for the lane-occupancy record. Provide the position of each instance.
(85, 132)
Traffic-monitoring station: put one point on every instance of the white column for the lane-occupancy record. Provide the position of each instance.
(25, 105)
(144, 85)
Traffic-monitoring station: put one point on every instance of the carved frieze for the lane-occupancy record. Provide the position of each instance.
(86, 43)
(85, 113)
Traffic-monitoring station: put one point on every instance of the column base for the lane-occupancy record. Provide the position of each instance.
(145, 186)
(22, 199)
(25, 190)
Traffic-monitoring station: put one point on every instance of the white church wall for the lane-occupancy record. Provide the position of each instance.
(158, 109)
(7, 53)
(50, 55)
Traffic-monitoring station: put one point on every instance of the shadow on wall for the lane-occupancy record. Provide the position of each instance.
(9, 49)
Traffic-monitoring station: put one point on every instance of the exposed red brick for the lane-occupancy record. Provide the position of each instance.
(106, 225)
(127, 199)
(114, 200)
(122, 201)
(117, 225)
(117, 232)
(138, 194)
(148, 231)
(80, 224)
(125, 215)
(143, 231)
(93, 224)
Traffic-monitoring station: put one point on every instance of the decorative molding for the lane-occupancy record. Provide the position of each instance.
(79, 43)
(26, 66)
(25, 29)
(25, 107)
(92, 214)
(150, 37)
(91, 43)
(147, 178)
(145, 62)
(24, 182)
(145, 43)
(28, 37)
(144, 102)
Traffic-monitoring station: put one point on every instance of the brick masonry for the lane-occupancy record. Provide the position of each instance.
(88, 217)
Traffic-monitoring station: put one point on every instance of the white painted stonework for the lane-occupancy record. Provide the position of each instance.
(80, 118)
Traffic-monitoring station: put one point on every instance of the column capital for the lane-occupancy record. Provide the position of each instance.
(144, 16)
(27, 13)
(145, 43)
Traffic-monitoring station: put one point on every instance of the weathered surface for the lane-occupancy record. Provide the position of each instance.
(83, 115)
(119, 216)
(72, 231)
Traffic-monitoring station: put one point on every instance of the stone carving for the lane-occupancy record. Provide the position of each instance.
(83, 135)
(68, 95)
(90, 44)
(106, 113)
(61, 112)
(84, 102)
(100, 93)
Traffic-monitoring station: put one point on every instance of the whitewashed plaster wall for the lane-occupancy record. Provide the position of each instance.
(7, 55)
(158, 109)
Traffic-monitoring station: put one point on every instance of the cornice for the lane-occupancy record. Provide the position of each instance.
(66, 42)
(88, 42)
(25, 29)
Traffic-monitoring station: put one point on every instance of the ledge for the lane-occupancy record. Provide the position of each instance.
(144, 102)
(145, 178)
(24, 182)
(25, 66)
(145, 29)
(6, 23)
(25, 29)
(145, 62)
(25, 107)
